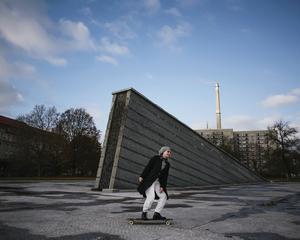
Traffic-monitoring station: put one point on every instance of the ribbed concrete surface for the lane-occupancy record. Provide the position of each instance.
(137, 128)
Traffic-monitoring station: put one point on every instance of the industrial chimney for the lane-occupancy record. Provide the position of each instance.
(218, 109)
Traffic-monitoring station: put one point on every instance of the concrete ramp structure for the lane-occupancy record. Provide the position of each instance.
(136, 130)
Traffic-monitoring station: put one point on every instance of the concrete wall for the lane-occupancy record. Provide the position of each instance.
(137, 128)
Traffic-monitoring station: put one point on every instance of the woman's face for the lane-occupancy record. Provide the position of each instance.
(167, 154)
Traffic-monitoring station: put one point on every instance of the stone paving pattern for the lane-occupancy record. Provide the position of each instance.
(40, 210)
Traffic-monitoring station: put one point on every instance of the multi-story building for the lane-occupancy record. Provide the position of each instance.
(218, 137)
(22, 145)
(12, 133)
(248, 146)
(251, 147)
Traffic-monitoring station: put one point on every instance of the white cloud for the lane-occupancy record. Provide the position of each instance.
(107, 59)
(10, 70)
(267, 121)
(279, 100)
(200, 125)
(23, 27)
(24, 69)
(243, 122)
(296, 91)
(99, 120)
(56, 61)
(9, 96)
(296, 124)
(5, 69)
(168, 36)
(94, 111)
(240, 122)
(78, 33)
(152, 5)
(120, 29)
(173, 11)
(113, 48)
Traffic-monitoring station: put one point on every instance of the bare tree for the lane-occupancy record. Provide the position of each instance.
(52, 145)
(284, 136)
(77, 125)
(77, 122)
(40, 140)
(41, 117)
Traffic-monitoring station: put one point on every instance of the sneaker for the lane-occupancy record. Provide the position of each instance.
(144, 216)
(157, 216)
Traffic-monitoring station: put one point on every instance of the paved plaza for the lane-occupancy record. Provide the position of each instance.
(40, 210)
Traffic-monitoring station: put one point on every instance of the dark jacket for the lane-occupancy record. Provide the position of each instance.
(153, 171)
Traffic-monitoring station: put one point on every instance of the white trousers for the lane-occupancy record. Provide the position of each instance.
(151, 196)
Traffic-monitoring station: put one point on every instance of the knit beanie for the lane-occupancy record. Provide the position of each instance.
(163, 149)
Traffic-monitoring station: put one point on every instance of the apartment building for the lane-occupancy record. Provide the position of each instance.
(249, 146)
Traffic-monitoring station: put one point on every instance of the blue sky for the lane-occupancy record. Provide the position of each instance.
(75, 53)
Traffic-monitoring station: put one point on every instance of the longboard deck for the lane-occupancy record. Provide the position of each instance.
(132, 221)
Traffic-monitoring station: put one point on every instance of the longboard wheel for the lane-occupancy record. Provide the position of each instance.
(131, 222)
(168, 222)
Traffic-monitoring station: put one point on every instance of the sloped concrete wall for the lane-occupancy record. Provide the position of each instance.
(137, 128)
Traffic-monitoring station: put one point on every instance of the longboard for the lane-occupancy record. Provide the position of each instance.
(132, 221)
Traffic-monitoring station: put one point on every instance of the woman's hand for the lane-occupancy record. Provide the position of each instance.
(140, 179)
